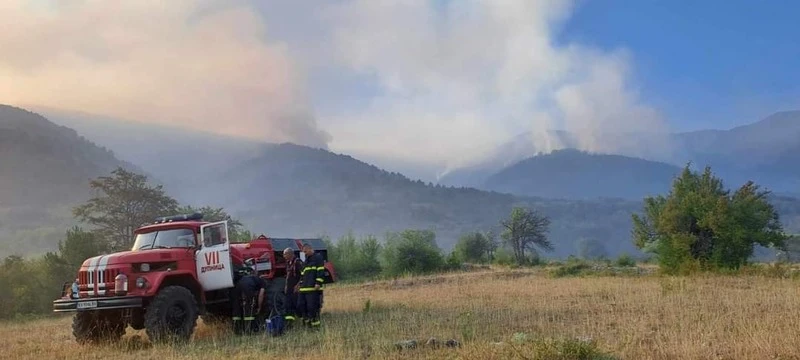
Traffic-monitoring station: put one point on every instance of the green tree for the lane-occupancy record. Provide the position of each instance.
(126, 202)
(701, 225)
(242, 236)
(369, 253)
(78, 246)
(524, 231)
(357, 258)
(494, 244)
(236, 231)
(412, 251)
(473, 247)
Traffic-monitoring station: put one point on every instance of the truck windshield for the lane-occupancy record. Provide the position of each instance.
(164, 239)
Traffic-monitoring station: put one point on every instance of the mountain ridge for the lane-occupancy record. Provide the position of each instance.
(583, 175)
(293, 190)
(761, 151)
(45, 168)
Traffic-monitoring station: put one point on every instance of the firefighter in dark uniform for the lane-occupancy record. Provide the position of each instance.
(248, 299)
(311, 287)
(293, 268)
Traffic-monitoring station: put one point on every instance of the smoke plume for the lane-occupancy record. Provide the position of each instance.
(456, 78)
(204, 64)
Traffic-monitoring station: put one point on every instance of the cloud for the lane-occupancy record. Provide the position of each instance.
(205, 64)
(456, 79)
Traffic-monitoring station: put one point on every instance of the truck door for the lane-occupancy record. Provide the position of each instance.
(214, 258)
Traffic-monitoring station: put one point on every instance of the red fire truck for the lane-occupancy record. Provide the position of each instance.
(179, 268)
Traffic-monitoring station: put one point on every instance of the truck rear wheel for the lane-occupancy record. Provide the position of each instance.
(172, 315)
(96, 326)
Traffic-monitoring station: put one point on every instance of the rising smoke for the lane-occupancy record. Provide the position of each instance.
(204, 64)
(466, 76)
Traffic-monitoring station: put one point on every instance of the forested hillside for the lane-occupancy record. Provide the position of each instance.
(44, 169)
(282, 190)
(175, 157)
(583, 175)
(766, 151)
(291, 191)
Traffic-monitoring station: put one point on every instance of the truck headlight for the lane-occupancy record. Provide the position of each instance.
(121, 284)
(141, 282)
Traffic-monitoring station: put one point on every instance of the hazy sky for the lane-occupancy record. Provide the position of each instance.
(425, 82)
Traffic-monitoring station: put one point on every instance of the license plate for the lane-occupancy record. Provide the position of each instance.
(87, 304)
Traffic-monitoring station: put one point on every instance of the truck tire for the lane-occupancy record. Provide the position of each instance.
(172, 315)
(95, 326)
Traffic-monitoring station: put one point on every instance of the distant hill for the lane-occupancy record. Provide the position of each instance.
(573, 174)
(44, 170)
(292, 190)
(46, 164)
(474, 172)
(172, 156)
(765, 151)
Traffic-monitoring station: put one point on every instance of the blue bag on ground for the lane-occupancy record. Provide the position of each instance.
(275, 325)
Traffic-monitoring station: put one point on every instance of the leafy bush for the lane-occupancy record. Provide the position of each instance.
(474, 247)
(412, 252)
(356, 259)
(626, 260)
(503, 257)
(571, 268)
(701, 226)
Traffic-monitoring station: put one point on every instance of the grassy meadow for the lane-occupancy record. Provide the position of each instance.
(495, 314)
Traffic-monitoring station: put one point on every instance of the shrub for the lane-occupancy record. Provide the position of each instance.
(699, 225)
(626, 260)
(412, 252)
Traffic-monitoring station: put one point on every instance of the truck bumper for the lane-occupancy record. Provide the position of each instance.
(94, 304)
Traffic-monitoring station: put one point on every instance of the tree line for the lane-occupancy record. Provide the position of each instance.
(125, 201)
(699, 225)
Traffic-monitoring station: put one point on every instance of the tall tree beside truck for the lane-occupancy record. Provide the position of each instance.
(125, 201)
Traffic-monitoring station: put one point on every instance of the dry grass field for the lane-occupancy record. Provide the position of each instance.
(506, 314)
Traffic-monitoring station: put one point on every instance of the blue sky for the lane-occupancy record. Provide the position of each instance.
(709, 63)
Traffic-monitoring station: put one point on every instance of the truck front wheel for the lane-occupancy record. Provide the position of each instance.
(95, 326)
(172, 315)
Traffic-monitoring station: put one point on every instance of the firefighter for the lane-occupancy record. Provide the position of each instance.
(293, 268)
(311, 287)
(248, 299)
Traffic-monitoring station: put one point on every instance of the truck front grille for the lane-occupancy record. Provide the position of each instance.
(97, 282)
